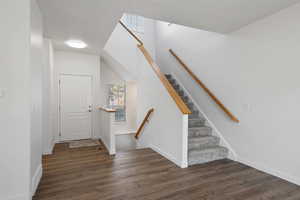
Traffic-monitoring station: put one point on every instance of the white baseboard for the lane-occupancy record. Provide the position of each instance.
(17, 197)
(167, 155)
(49, 151)
(111, 150)
(36, 179)
(269, 170)
(106, 145)
(96, 137)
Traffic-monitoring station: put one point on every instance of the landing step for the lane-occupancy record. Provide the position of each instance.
(200, 156)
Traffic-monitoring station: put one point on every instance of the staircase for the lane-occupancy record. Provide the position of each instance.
(203, 147)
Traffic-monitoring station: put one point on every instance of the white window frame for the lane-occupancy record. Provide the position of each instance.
(118, 106)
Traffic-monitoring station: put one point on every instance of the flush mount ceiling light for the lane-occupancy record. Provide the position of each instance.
(76, 44)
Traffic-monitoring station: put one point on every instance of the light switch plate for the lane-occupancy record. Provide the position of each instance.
(247, 107)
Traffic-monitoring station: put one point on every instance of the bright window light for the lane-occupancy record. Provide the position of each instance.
(76, 44)
(134, 22)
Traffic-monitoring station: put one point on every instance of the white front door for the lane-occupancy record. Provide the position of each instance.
(75, 107)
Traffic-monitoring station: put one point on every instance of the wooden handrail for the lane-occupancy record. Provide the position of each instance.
(218, 102)
(146, 119)
(131, 33)
(179, 102)
(107, 109)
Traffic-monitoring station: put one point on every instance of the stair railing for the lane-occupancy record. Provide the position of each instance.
(131, 33)
(179, 102)
(201, 84)
(146, 119)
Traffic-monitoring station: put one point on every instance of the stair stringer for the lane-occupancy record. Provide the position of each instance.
(215, 132)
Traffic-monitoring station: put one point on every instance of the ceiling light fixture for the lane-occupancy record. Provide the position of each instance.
(76, 44)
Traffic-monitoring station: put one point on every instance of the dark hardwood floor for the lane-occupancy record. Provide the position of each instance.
(91, 174)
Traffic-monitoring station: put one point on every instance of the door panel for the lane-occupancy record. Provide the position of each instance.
(75, 107)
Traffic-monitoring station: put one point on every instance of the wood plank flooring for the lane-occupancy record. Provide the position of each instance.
(89, 173)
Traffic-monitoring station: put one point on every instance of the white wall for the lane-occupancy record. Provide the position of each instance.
(129, 56)
(255, 72)
(107, 76)
(78, 64)
(48, 98)
(37, 66)
(15, 102)
(165, 132)
(107, 131)
(131, 105)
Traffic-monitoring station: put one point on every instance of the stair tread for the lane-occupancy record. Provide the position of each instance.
(196, 124)
(206, 137)
(195, 151)
(196, 119)
(194, 116)
(202, 142)
(195, 135)
(200, 131)
(197, 128)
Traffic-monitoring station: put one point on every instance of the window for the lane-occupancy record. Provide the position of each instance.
(116, 100)
(134, 23)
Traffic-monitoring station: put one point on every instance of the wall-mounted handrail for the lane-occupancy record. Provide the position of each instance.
(131, 33)
(179, 102)
(199, 82)
(146, 119)
(107, 109)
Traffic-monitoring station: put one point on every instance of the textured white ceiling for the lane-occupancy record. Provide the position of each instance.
(94, 20)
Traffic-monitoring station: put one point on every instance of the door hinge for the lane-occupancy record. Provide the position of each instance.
(59, 134)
